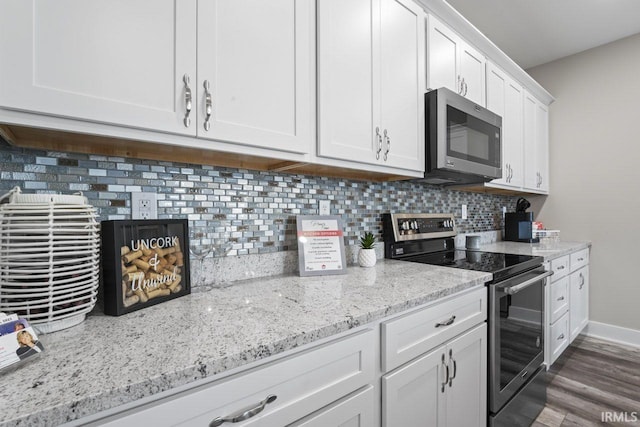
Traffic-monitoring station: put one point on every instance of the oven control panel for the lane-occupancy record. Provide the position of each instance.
(418, 226)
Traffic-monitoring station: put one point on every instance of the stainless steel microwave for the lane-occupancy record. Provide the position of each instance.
(463, 140)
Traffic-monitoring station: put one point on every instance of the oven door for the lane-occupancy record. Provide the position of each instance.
(516, 348)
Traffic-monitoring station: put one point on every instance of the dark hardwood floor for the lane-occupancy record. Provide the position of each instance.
(593, 383)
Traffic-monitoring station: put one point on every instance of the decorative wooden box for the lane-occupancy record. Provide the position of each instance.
(144, 262)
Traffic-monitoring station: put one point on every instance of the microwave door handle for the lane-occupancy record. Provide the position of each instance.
(511, 290)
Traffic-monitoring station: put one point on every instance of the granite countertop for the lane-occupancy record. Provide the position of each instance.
(107, 361)
(547, 252)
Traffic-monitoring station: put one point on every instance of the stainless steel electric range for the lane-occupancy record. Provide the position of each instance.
(516, 373)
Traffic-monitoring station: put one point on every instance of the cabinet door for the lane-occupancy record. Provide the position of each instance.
(442, 54)
(579, 301)
(504, 97)
(467, 388)
(536, 145)
(402, 80)
(356, 410)
(413, 395)
(347, 118)
(472, 70)
(115, 62)
(542, 146)
(257, 58)
(530, 148)
(513, 127)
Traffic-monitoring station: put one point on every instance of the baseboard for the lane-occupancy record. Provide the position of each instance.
(613, 333)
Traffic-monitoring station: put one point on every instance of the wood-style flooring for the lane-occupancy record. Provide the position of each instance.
(593, 383)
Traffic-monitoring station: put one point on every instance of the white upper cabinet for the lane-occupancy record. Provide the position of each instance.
(536, 145)
(371, 82)
(256, 72)
(235, 71)
(505, 98)
(453, 63)
(119, 63)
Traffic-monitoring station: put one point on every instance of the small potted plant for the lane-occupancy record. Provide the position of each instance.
(367, 255)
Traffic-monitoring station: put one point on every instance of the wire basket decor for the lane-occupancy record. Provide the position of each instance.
(49, 258)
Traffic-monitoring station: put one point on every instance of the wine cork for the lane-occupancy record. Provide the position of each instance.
(144, 266)
(129, 301)
(158, 293)
(143, 296)
(130, 256)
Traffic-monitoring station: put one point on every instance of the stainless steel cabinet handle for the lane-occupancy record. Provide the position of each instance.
(243, 414)
(447, 322)
(561, 337)
(208, 103)
(445, 368)
(561, 267)
(465, 87)
(580, 259)
(388, 139)
(455, 367)
(459, 85)
(379, 143)
(560, 299)
(187, 100)
(581, 281)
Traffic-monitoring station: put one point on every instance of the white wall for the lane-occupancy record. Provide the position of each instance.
(595, 170)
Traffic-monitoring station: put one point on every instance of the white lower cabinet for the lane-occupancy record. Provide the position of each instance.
(302, 384)
(579, 297)
(433, 372)
(445, 387)
(567, 302)
(439, 359)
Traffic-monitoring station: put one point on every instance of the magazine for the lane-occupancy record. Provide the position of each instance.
(18, 340)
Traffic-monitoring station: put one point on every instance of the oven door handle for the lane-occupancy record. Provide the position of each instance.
(510, 290)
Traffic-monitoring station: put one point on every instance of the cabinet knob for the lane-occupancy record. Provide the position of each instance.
(447, 322)
(187, 100)
(388, 140)
(445, 370)
(379, 137)
(208, 104)
(243, 414)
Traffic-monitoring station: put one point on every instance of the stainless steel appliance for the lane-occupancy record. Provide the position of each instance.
(516, 373)
(463, 140)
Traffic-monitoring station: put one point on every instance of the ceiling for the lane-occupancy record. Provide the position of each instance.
(534, 32)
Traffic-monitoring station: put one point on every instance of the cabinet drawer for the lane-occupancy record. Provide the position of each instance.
(579, 259)
(356, 410)
(416, 333)
(560, 267)
(559, 298)
(303, 383)
(559, 336)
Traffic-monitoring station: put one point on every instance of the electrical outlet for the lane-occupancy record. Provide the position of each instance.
(325, 207)
(144, 206)
(464, 211)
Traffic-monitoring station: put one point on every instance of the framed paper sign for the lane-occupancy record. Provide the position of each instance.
(320, 245)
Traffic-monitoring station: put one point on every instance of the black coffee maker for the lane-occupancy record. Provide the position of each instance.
(518, 225)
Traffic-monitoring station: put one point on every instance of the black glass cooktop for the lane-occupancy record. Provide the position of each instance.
(502, 266)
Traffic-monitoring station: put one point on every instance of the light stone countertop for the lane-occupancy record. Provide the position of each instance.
(108, 361)
(547, 252)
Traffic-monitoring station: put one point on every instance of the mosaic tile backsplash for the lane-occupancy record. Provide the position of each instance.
(254, 210)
